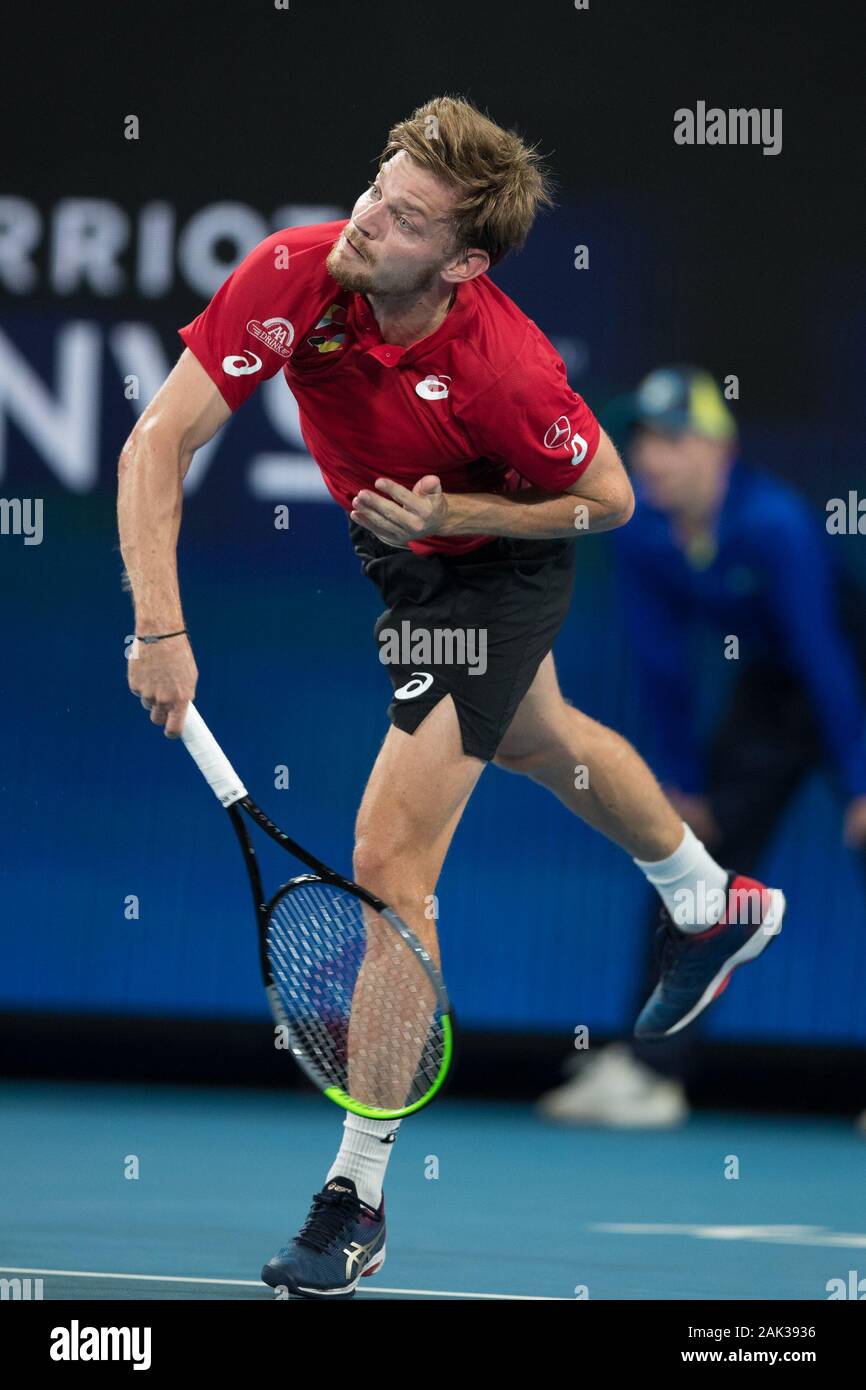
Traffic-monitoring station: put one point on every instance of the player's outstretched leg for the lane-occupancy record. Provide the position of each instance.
(713, 920)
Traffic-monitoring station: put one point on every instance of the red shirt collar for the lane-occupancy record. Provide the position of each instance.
(454, 324)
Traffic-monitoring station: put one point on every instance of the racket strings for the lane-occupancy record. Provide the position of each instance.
(362, 1012)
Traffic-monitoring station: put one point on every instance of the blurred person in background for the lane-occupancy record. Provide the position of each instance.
(717, 546)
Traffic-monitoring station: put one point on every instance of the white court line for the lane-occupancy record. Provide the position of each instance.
(258, 1284)
(772, 1235)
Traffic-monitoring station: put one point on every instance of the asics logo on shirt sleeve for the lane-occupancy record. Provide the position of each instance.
(240, 366)
(579, 446)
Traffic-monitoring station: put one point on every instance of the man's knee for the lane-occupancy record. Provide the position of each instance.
(524, 761)
(395, 867)
(373, 860)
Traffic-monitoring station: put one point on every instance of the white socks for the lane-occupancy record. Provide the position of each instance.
(691, 885)
(364, 1155)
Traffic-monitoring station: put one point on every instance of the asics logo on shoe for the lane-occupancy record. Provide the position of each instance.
(337, 1187)
(358, 1254)
(421, 681)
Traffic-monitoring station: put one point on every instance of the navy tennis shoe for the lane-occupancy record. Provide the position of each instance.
(341, 1240)
(695, 966)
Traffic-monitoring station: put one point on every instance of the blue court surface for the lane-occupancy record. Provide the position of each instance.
(484, 1200)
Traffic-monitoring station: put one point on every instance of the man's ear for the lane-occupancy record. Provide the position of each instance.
(466, 265)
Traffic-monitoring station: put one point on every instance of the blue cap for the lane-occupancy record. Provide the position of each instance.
(678, 399)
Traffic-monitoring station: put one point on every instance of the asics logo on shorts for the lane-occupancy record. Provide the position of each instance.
(240, 366)
(421, 681)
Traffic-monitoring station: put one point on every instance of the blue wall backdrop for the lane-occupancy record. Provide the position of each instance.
(543, 922)
(713, 256)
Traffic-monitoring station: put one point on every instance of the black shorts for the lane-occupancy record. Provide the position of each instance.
(475, 626)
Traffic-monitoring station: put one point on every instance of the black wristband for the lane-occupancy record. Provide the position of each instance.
(162, 636)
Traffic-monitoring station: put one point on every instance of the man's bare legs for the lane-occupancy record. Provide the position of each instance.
(549, 741)
(413, 801)
(602, 779)
(420, 785)
(412, 804)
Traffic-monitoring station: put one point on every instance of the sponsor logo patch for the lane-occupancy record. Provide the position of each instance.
(276, 334)
(329, 334)
(559, 434)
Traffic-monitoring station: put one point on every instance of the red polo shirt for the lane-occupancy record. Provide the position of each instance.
(483, 402)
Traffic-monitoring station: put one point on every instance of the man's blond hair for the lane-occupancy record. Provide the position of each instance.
(499, 182)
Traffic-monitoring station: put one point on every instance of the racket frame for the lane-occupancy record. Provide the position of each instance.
(235, 798)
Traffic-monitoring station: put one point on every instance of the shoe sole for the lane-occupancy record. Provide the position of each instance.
(750, 950)
(342, 1291)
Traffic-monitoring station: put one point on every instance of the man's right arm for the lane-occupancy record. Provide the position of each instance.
(185, 413)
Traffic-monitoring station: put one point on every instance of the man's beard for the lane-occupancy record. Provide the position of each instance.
(357, 277)
(360, 277)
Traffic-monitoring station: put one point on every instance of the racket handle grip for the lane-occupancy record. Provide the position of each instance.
(210, 759)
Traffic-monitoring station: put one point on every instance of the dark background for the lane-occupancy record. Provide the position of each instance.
(745, 263)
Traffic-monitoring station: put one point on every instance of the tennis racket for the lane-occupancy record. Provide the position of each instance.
(360, 1003)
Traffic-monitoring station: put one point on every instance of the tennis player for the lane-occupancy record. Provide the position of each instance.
(443, 423)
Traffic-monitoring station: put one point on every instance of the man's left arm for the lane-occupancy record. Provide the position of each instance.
(530, 421)
(600, 500)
